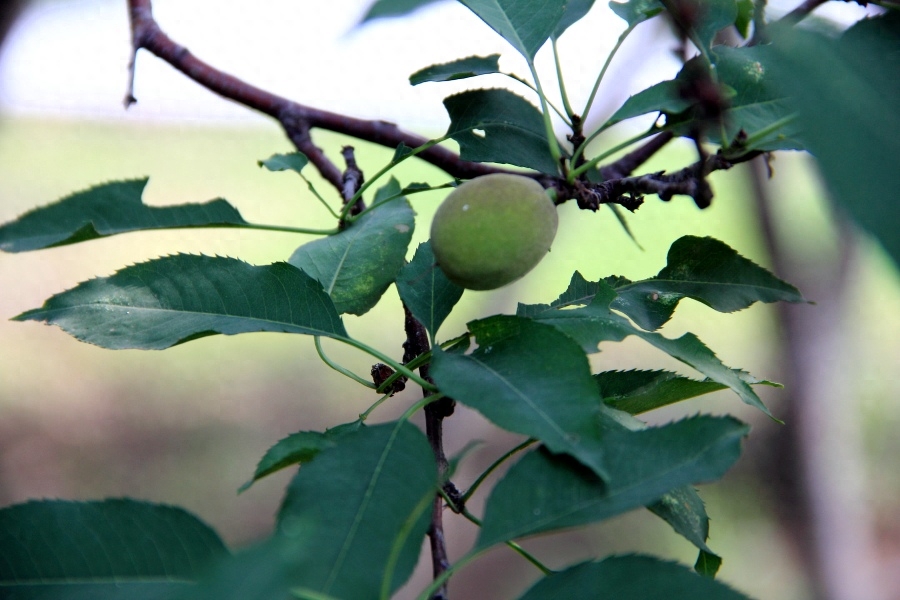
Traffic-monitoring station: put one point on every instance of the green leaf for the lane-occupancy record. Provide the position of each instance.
(846, 93)
(708, 564)
(685, 512)
(711, 17)
(630, 577)
(295, 449)
(358, 264)
(526, 24)
(746, 10)
(636, 11)
(426, 291)
(106, 549)
(663, 97)
(760, 115)
(595, 323)
(106, 210)
(545, 492)
(707, 271)
(528, 378)
(462, 68)
(575, 10)
(175, 299)
(393, 8)
(359, 507)
(262, 572)
(636, 392)
(499, 126)
(294, 161)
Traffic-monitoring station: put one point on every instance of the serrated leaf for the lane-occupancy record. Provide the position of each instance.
(685, 512)
(297, 448)
(630, 577)
(681, 507)
(705, 270)
(636, 11)
(357, 265)
(381, 9)
(640, 391)
(426, 291)
(846, 93)
(358, 504)
(543, 492)
(175, 299)
(528, 378)
(708, 564)
(105, 549)
(106, 210)
(526, 24)
(293, 161)
(499, 126)
(595, 322)
(462, 68)
(575, 10)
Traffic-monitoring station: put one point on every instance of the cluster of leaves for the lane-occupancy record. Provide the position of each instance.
(353, 517)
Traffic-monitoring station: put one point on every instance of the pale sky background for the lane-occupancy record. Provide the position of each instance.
(68, 58)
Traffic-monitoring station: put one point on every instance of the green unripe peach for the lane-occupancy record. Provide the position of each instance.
(492, 230)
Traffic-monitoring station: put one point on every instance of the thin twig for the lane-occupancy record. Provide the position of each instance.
(297, 119)
(351, 181)
(802, 11)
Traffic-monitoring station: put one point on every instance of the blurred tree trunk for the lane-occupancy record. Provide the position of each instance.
(817, 464)
(9, 10)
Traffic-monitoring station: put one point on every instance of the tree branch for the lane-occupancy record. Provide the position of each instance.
(417, 343)
(296, 119)
(627, 164)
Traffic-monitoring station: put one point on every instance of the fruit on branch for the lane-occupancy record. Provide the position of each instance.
(492, 230)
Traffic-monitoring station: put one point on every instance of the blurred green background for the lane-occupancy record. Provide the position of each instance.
(187, 425)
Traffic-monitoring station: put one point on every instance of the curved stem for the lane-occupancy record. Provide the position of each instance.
(422, 359)
(420, 405)
(612, 53)
(388, 361)
(527, 84)
(494, 465)
(286, 229)
(316, 193)
(365, 415)
(393, 163)
(516, 547)
(343, 371)
(443, 577)
(402, 194)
